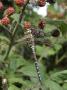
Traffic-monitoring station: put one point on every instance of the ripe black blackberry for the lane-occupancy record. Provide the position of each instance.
(55, 33)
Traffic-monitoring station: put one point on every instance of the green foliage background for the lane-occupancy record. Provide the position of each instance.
(21, 74)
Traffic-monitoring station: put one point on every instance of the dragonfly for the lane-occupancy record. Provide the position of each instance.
(31, 42)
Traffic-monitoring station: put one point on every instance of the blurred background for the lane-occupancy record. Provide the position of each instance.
(51, 48)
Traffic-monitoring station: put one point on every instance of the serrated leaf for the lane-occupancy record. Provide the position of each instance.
(16, 61)
(59, 76)
(28, 70)
(51, 85)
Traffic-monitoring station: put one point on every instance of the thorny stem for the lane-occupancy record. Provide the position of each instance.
(15, 30)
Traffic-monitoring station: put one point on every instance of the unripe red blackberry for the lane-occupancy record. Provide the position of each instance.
(27, 25)
(51, 1)
(5, 20)
(19, 2)
(41, 24)
(41, 3)
(1, 6)
(55, 33)
(9, 11)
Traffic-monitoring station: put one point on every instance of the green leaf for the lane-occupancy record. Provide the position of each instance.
(63, 28)
(46, 51)
(16, 61)
(15, 17)
(28, 70)
(12, 87)
(65, 86)
(52, 85)
(59, 76)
